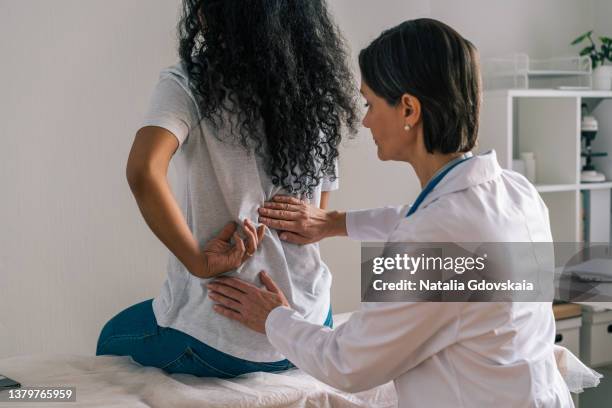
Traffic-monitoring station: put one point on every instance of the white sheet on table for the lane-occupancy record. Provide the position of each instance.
(118, 381)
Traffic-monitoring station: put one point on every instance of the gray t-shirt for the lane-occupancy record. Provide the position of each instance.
(219, 181)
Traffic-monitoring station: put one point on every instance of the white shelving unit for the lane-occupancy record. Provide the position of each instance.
(547, 122)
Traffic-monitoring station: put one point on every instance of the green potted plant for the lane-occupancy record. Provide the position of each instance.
(602, 73)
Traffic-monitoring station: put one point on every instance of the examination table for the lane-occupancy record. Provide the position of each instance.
(118, 381)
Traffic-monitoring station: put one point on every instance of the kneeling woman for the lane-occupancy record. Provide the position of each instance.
(421, 83)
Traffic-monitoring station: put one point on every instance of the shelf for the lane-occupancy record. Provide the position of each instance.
(550, 93)
(595, 186)
(553, 73)
(554, 188)
(543, 73)
(566, 311)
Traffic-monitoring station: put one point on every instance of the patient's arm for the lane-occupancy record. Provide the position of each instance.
(146, 171)
(301, 222)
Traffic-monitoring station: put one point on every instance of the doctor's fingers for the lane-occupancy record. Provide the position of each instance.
(225, 301)
(283, 206)
(227, 291)
(287, 199)
(281, 214)
(227, 312)
(285, 225)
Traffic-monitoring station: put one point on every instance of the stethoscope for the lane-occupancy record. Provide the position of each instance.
(434, 181)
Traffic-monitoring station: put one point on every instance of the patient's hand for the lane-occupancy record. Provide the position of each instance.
(220, 255)
(299, 221)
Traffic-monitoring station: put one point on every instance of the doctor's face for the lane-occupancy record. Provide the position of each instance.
(386, 122)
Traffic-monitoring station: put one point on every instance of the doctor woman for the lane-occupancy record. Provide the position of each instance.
(421, 83)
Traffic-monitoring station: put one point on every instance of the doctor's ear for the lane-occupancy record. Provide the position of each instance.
(410, 107)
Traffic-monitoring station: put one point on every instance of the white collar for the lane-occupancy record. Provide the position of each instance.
(479, 169)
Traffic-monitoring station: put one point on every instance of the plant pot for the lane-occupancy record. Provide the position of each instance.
(602, 78)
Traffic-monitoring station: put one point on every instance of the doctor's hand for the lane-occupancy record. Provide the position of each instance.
(220, 255)
(245, 302)
(299, 222)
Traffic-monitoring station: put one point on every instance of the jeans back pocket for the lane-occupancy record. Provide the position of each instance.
(189, 362)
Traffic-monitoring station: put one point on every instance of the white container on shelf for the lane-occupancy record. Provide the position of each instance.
(602, 77)
(568, 334)
(518, 165)
(530, 165)
(596, 337)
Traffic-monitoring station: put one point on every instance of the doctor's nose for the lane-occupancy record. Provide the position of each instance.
(365, 122)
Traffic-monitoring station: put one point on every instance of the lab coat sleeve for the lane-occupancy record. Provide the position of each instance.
(377, 344)
(374, 224)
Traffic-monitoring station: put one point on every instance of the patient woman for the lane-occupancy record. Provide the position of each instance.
(256, 107)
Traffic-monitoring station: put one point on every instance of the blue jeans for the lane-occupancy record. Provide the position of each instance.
(134, 332)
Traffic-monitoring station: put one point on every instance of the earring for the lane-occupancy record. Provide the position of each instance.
(407, 127)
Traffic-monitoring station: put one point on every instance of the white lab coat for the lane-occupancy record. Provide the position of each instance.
(442, 354)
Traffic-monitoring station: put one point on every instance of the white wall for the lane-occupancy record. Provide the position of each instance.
(541, 28)
(75, 79)
(602, 13)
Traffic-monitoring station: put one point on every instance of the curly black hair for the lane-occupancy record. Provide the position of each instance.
(281, 67)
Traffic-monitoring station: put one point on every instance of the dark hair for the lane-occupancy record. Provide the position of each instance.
(281, 67)
(432, 62)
